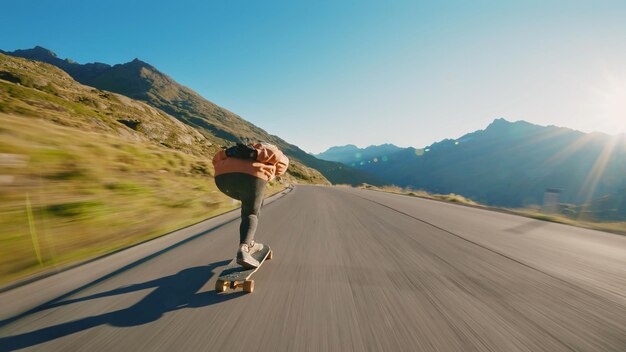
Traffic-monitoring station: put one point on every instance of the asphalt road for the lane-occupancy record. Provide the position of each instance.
(353, 270)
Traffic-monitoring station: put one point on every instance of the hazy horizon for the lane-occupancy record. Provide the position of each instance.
(363, 146)
(325, 74)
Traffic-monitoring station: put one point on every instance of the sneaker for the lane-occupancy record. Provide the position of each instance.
(245, 258)
(255, 247)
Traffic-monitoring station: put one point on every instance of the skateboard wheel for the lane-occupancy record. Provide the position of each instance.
(221, 286)
(248, 286)
(269, 255)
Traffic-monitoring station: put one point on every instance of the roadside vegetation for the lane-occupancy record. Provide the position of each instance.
(141, 84)
(84, 172)
(573, 219)
(453, 198)
(68, 195)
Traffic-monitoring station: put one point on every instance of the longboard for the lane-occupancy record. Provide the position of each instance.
(235, 275)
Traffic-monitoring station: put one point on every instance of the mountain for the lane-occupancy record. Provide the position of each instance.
(512, 164)
(141, 81)
(43, 91)
(80, 73)
(91, 171)
(352, 155)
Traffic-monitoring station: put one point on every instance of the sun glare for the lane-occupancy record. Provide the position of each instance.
(612, 105)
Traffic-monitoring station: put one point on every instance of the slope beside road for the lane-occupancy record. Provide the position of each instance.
(353, 270)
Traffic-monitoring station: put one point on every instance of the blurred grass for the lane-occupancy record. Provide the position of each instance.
(91, 193)
(618, 227)
(453, 198)
(84, 171)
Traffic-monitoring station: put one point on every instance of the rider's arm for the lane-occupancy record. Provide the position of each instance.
(269, 155)
(219, 156)
(282, 165)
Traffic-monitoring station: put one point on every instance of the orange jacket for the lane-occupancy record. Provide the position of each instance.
(270, 162)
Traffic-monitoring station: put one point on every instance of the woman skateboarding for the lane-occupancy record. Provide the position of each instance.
(242, 172)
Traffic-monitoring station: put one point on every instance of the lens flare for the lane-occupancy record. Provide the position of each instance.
(570, 150)
(609, 104)
(597, 171)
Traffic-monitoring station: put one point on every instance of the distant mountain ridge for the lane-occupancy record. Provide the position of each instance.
(351, 154)
(80, 72)
(513, 163)
(142, 81)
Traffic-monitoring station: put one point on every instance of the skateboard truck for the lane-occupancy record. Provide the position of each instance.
(235, 276)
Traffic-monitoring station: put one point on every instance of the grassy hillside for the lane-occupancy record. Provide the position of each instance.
(139, 80)
(85, 171)
(142, 81)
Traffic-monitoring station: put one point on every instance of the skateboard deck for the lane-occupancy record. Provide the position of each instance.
(235, 275)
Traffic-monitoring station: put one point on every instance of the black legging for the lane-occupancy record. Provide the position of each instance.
(249, 190)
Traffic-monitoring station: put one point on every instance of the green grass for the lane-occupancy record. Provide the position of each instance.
(618, 227)
(77, 181)
(453, 198)
(92, 193)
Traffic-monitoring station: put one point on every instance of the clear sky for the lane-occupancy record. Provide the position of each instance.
(324, 73)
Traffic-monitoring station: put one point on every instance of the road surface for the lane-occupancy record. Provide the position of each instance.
(353, 270)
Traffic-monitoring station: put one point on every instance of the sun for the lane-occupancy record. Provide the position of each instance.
(611, 103)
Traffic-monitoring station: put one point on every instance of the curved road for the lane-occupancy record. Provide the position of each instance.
(353, 270)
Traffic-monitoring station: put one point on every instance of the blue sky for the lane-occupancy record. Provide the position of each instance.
(324, 73)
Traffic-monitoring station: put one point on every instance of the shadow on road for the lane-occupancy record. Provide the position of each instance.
(171, 293)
